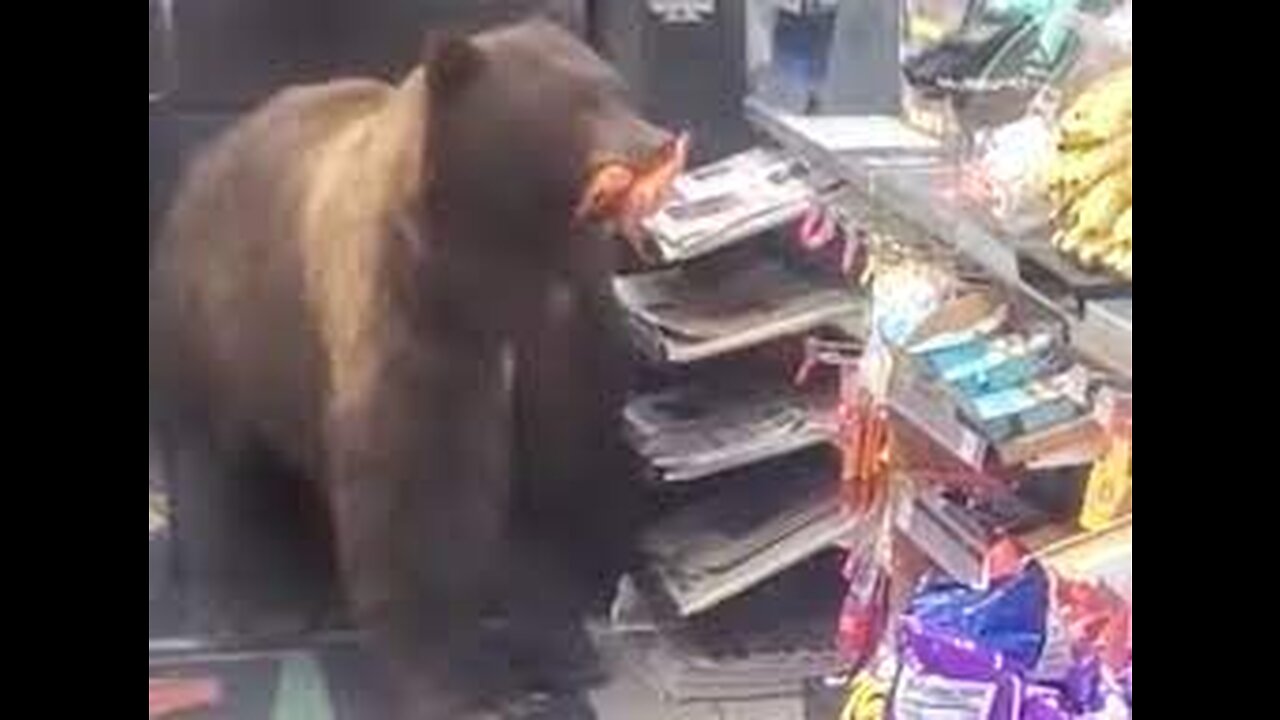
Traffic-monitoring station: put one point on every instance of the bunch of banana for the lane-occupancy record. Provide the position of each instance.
(1102, 111)
(1090, 180)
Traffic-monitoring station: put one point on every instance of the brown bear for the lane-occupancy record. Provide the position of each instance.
(365, 297)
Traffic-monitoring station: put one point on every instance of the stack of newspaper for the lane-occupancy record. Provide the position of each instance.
(777, 515)
(731, 302)
(763, 644)
(737, 543)
(731, 200)
(694, 431)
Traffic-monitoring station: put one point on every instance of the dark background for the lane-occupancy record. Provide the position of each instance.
(211, 60)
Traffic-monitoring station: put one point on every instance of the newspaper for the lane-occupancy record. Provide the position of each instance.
(693, 431)
(681, 677)
(698, 592)
(728, 201)
(689, 313)
(761, 644)
(773, 517)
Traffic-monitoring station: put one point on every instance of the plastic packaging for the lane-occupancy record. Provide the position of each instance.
(1008, 619)
(1098, 622)
(864, 612)
(946, 675)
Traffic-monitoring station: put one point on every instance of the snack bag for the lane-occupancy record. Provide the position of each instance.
(944, 675)
(1008, 619)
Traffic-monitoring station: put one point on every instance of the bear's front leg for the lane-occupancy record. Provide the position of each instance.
(573, 491)
(419, 488)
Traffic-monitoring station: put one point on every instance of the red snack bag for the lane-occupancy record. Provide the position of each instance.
(1098, 621)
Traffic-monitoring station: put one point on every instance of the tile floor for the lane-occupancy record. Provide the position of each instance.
(626, 697)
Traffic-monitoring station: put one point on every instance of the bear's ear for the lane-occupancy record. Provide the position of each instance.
(452, 62)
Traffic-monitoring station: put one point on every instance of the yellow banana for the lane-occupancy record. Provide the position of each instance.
(1116, 256)
(1102, 111)
(1123, 229)
(1120, 261)
(1097, 211)
(1090, 179)
(1075, 173)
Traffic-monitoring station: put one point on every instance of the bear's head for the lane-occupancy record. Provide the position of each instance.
(531, 145)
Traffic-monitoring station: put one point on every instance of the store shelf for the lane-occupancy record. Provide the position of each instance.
(957, 544)
(1105, 555)
(1106, 334)
(917, 189)
(693, 431)
(771, 517)
(728, 303)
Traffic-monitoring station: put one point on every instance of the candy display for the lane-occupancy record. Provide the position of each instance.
(1090, 180)
(988, 269)
(864, 612)
(943, 673)
(979, 359)
(1031, 647)
(1007, 618)
(1096, 622)
(1110, 489)
(1012, 382)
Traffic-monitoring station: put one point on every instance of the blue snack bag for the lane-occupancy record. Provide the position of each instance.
(1008, 618)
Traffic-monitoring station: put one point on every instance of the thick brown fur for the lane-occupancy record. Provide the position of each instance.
(361, 288)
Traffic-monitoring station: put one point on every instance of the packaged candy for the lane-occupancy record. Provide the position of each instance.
(863, 614)
(1110, 490)
(1047, 702)
(1041, 702)
(1032, 420)
(982, 356)
(1082, 687)
(1009, 618)
(1070, 385)
(945, 675)
(1098, 622)
(971, 654)
(904, 294)
(1114, 709)
(961, 321)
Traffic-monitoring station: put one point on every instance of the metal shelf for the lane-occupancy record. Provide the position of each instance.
(914, 188)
